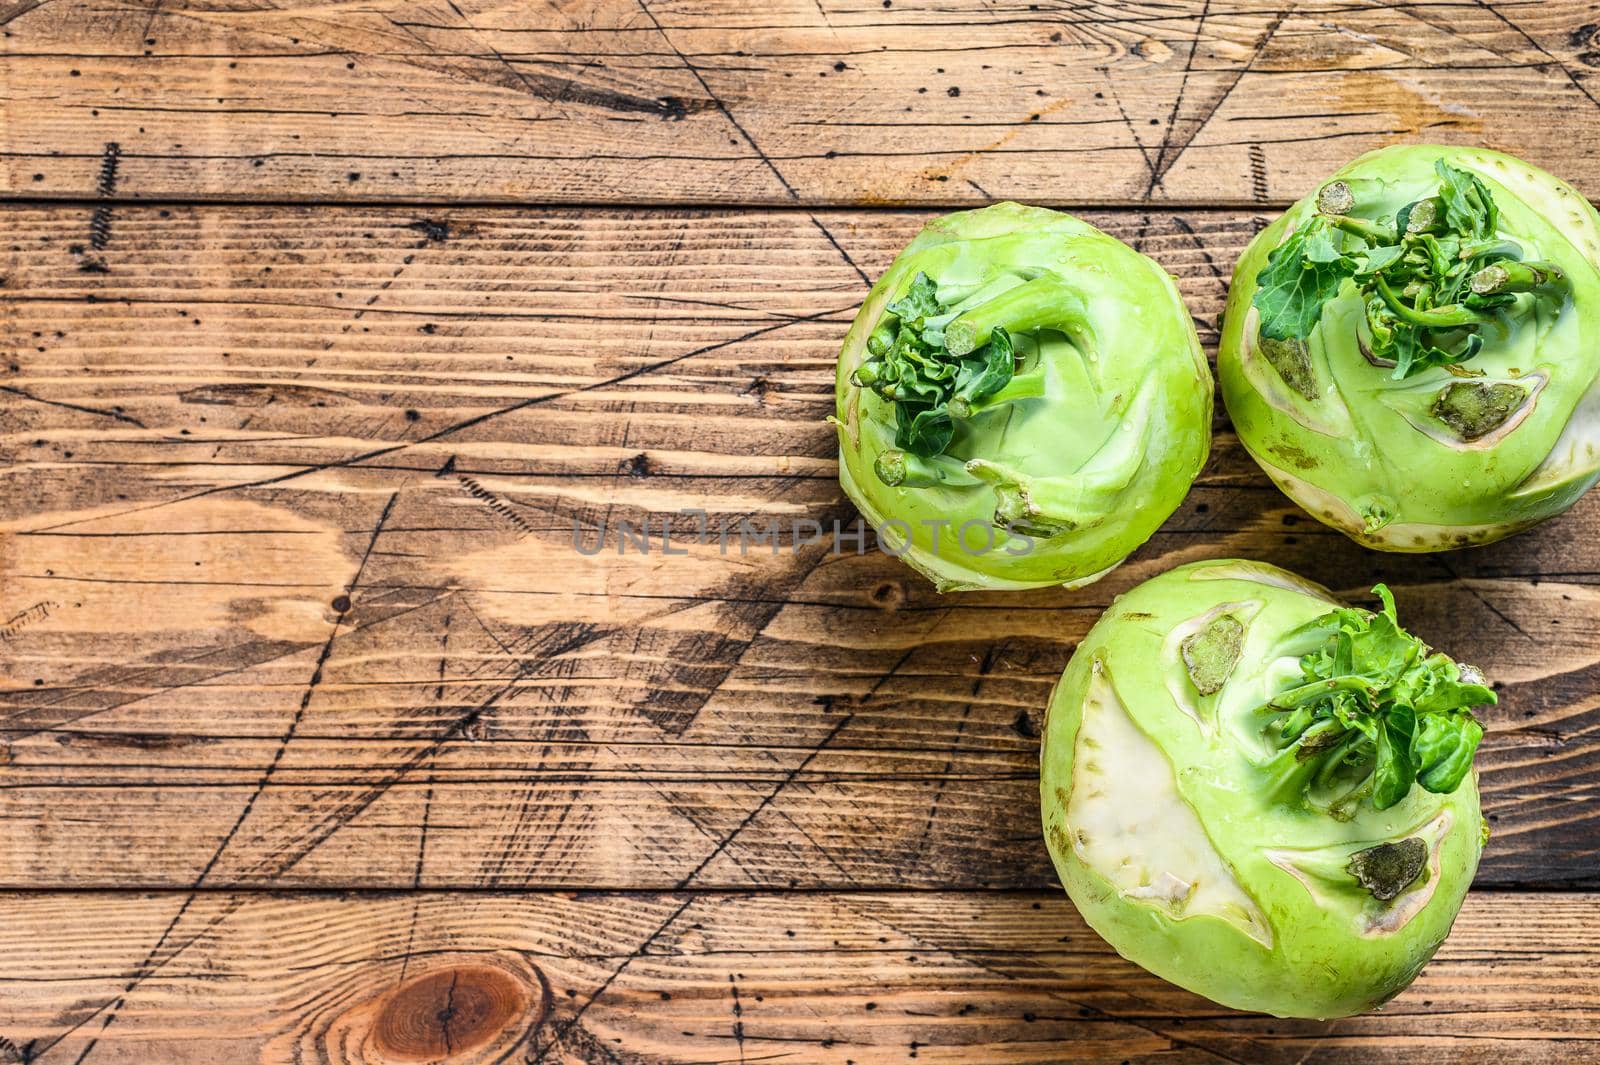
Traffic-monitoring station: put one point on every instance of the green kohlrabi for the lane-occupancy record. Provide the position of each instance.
(1413, 352)
(1021, 401)
(1261, 794)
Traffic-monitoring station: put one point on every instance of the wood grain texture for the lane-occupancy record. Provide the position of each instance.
(841, 102)
(292, 596)
(655, 978)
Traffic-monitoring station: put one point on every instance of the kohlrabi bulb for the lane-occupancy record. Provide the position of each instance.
(1413, 352)
(1021, 401)
(1260, 794)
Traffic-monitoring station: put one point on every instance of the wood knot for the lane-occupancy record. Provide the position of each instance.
(449, 1014)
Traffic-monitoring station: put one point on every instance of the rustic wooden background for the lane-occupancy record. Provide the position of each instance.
(323, 323)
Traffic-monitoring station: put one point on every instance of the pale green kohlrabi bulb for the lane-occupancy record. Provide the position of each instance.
(1021, 401)
(1260, 795)
(1413, 352)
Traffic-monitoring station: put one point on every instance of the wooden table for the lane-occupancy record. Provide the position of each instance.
(323, 325)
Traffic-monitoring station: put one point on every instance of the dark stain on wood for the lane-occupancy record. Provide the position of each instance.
(251, 394)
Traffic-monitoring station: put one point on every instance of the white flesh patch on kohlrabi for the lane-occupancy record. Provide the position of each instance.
(1129, 825)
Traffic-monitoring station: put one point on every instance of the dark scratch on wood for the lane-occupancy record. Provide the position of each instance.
(31, 615)
(1174, 144)
(571, 1026)
(29, 721)
(1483, 600)
(862, 274)
(1159, 169)
(18, 9)
(842, 253)
(150, 20)
(497, 504)
(1205, 254)
(1037, 970)
(106, 187)
(1258, 173)
(558, 90)
(545, 647)
(1127, 123)
(427, 806)
(718, 102)
(112, 414)
(282, 862)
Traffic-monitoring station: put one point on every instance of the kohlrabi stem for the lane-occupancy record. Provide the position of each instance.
(881, 339)
(1425, 216)
(1315, 690)
(1290, 774)
(1451, 317)
(1375, 233)
(867, 374)
(1330, 763)
(1507, 249)
(1341, 196)
(1293, 726)
(1514, 277)
(901, 469)
(1044, 301)
(1030, 385)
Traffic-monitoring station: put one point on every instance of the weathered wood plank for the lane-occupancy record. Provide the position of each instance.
(289, 574)
(648, 978)
(804, 101)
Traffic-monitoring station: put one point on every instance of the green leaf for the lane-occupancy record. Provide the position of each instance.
(920, 301)
(1395, 771)
(1374, 713)
(1292, 288)
(987, 370)
(1379, 258)
(1322, 245)
(1468, 206)
(922, 430)
(1443, 749)
(1415, 275)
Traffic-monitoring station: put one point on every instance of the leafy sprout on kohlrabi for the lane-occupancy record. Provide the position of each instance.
(1412, 352)
(1374, 713)
(1431, 278)
(1021, 401)
(1261, 794)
